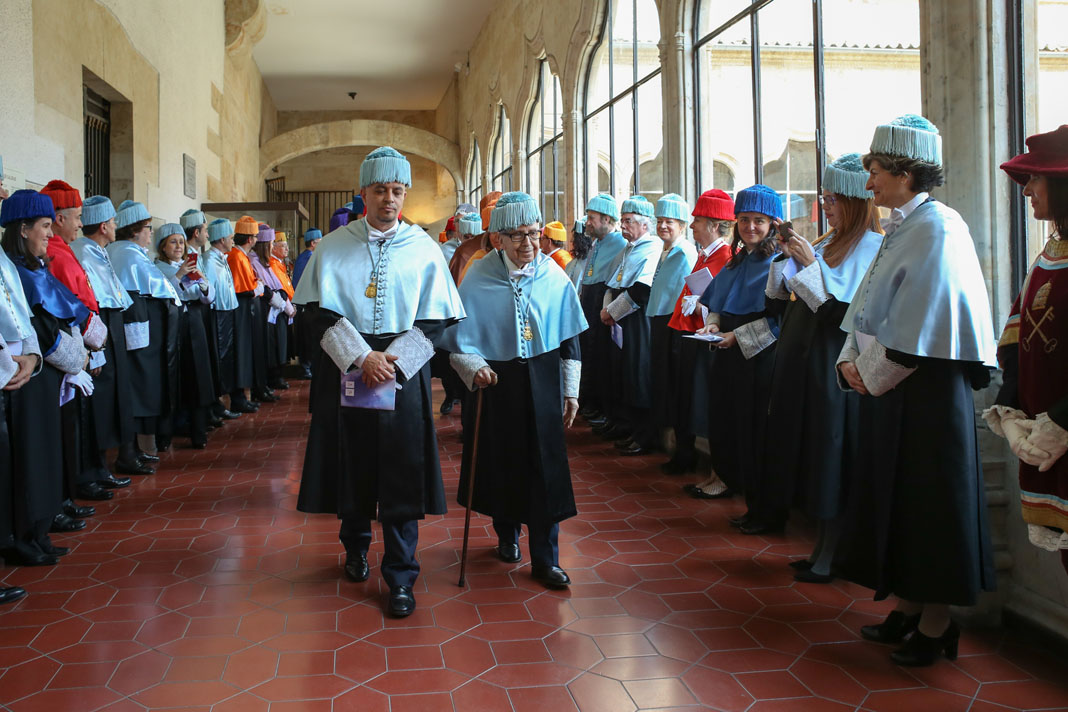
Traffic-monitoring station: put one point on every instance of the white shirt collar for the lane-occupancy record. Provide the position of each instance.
(906, 209)
(712, 247)
(516, 272)
(374, 235)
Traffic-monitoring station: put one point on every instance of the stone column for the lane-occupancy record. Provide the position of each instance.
(677, 90)
(574, 207)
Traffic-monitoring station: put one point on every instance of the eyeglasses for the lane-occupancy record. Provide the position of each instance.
(517, 238)
(628, 221)
(828, 200)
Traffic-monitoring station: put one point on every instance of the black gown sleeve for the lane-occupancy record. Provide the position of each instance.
(47, 328)
(1009, 394)
(639, 293)
(832, 312)
(570, 350)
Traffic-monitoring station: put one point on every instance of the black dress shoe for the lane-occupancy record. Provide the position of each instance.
(280, 384)
(602, 426)
(401, 601)
(266, 397)
(10, 595)
(77, 511)
(635, 449)
(801, 565)
(892, 630)
(597, 422)
(243, 407)
(305, 374)
(144, 456)
(740, 521)
(810, 576)
(356, 568)
(446, 406)
(113, 482)
(921, 651)
(215, 422)
(623, 444)
(698, 493)
(93, 492)
(229, 415)
(586, 412)
(62, 523)
(18, 557)
(756, 528)
(509, 553)
(199, 443)
(127, 468)
(551, 576)
(51, 550)
(163, 444)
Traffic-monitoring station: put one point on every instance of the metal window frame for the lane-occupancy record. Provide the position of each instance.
(498, 141)
(1017, 129)
(549, 144)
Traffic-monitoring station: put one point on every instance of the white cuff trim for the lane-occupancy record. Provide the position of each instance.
(136, 335)
(878, 372)
(808, 286)
(96, 333)
(1046, 538)
(775, 288)
(69, 355)
(754, 337)
(621, 307)
(344, 345)
(571, 371)
(467, 366)
(8, 366)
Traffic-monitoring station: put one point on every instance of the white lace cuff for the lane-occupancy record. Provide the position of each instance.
(96, 333)
(467, 366)
(344, 345)
(848, 354)
(31, 346)
(1046, 538)
(69, 355)
(754, 337)
(136, 335)
(8, 366)
(571, 370)
(621, 307)
(775, 288)
(808, 286)
(878, 372)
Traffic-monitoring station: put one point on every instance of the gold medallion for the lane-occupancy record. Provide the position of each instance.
(528, 333)
(371, 292)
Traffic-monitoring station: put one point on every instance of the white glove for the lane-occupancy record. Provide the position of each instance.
(1017, 431)
(689, 304)
(995, 414)
(278, 301)
(83, 382)
(1050, 438)
(290, 310)
(258, 291)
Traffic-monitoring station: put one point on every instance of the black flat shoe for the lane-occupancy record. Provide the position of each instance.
(740, 521)
(892, 630)
(229, 415)
(76, 511)
(113, 482)
(61, 523)
(635, 449)
(93, 492)
(266, 397)
(800, 565)
(810, 576)
(10, 595)
(586, 412)
(509, 553)
(447, 406)
(401, 602)
(697, 493)
(356, 568)
(137, 468)
(921, 651)
(551, 577)
(145, 457)
(245, 407)
(623, 444)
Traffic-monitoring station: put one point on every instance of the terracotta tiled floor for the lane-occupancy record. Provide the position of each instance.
(201, 588)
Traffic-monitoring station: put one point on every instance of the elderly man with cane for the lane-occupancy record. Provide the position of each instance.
(520, 343)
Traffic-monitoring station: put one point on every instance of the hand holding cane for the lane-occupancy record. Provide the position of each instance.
(471, 486)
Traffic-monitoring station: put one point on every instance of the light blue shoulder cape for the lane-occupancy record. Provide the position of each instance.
(217, 272)
(413, 280)
(494, 325)
(137, 273)
(668, 280)
(14, 309)
(841, 282)
(110, 294)
(924, 292)
(636, 262)
(602, 254)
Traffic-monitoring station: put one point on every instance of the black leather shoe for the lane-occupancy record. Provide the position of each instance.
(77, 511)
(756, 528)
(894, 629)
(810, 576)
(145, 457)
(113, 482)
(356, 568)
(52, 550)
(635, 449)
(509, 553)
(921, 651)
(305, 373)
(62, 523)
(740, 521)
(10, 595)
(551, 577)
(698, 493)
(586, 412)
(800, 565)
(401, 602)
(623, 444)
(17, 557)
(265, 397)
(229, 415)
(280, 384)
(199, 443)
(614, 433)
(93, 492)
(447, 406)
(244, 407)
(602, 426)
(597, 422)
(214, 422)
(135, 468)
(162, 445)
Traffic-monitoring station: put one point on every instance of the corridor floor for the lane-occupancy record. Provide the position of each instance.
(201, 588)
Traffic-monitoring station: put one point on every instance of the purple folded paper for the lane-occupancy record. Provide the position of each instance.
(356, 394)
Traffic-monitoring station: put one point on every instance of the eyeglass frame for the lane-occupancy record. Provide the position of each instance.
(533, 236)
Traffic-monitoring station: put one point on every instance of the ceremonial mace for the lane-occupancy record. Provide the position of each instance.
(471, 486)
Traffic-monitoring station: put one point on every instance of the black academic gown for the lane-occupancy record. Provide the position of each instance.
(154, 368)
(915, 523)
(522, 456)
(260, 342)
(7, 492)
(811, 437)
(220, 329)
(629, 368)
(665, 346)
(693, 392)
(371, 463)
(243, 319)
(594, 343)
(110, 405)
(197, 384)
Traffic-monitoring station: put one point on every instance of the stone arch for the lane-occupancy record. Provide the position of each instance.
(363, 132)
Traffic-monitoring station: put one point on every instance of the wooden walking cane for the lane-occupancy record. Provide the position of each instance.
(471, 486)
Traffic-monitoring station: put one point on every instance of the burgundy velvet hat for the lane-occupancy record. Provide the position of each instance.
(1047, 155)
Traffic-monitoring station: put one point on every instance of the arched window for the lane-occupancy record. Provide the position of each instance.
(545, 142)
(786, 86)
(623, 129)
(474, 175)
(501, 167)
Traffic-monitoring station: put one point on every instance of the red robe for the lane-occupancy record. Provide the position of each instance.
(68, 270)
(714, 263)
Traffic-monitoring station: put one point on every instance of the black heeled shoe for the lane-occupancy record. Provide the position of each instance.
(892, 630)
(921, 651)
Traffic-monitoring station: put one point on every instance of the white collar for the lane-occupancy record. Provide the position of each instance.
(516, 272)
(550, 254)
(906, 209)
(374, 235)
(712, 247)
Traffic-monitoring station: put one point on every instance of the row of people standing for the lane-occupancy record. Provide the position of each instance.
(838, 379)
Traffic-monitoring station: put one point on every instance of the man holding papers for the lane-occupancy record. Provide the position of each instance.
(378, 289)
(520, 343)
(630, 279)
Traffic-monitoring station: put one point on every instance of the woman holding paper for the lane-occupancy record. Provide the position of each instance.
(741, 370)
(713, 221)
(920, 338)
(805, 465)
